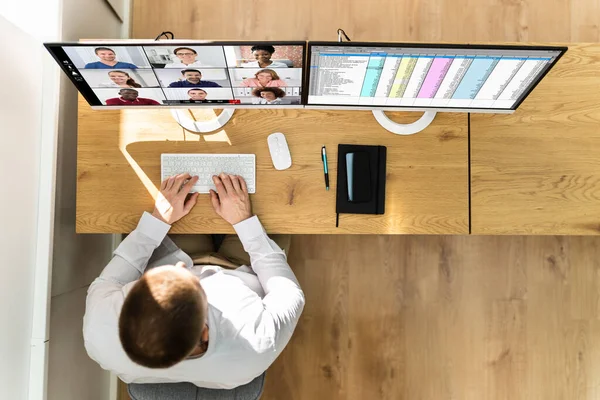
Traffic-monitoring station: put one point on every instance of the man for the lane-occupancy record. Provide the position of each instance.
(187, 58)
(129, 97)
(197, 94)
(192, 78)
(154, 315)
(108, 60)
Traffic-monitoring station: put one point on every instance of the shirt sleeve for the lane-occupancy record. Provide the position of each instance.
(284, 299)
(128, 263)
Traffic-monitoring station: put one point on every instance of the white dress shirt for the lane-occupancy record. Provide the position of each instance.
(252, 311)
(180, 65)
(254, 64)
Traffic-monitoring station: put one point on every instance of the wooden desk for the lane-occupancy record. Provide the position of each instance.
(537, 171)
(427, 174)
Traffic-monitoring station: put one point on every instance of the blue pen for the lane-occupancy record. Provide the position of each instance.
(325, 169)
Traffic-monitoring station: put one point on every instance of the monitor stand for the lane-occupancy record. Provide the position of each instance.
(186, 119)
(404, 129)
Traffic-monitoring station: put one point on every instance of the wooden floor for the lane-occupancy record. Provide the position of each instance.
(415, 317)
(445, 317)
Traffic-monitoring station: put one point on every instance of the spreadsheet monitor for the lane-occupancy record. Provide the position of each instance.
(425, 76)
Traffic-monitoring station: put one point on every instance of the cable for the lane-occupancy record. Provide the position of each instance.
(166, 34)
(341, 32)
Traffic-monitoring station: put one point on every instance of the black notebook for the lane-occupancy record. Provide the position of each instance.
(360, 179)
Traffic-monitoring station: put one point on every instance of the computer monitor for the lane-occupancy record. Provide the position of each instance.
(411, 76)
(184, 74)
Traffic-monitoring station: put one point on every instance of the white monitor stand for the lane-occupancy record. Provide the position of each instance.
(388, 124)
(185, 118)
(404, 129)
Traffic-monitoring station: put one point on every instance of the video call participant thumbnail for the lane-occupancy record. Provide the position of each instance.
(108, 60)
(187, 58)
(120, 79)
(129, 97)
(263, 54)
(197, 94)
(264, 78)
(268, 95)
(193, 78)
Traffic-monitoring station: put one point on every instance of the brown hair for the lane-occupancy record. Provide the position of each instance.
(275, 90)
(190, 70)
(162, 319)
(97, 49)
(130, 81)
(270, 71)
(184, 48)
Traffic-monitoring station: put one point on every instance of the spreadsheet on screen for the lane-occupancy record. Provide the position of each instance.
(424, 77)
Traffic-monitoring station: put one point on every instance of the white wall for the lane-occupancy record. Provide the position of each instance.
(30, 243)
(29, 111)
(77, 259)
(20, 124)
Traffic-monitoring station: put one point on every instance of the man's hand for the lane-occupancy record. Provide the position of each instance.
(231, 201)
(171, 204)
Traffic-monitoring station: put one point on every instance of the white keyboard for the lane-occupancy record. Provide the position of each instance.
(207, 165)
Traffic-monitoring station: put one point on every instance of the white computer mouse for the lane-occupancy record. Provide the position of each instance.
(280, 152)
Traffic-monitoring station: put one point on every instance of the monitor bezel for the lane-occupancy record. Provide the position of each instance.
(305, 92)
(88, 93)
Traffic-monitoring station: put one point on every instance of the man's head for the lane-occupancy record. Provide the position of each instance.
(192, 75)
(129, 94)
(185, 54)
(163, 317)
(262, 53)
(197, 94)
(105, 54)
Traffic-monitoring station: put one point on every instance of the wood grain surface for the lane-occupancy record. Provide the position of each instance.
(443, 318)
(371, 20)
(537, 171)
(426, 189)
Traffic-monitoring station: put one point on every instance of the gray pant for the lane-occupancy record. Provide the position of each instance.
(187, 391)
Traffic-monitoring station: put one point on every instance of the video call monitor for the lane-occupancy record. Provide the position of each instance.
(424, 76)
(171, 74)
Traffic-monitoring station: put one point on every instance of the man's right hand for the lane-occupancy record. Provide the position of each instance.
(231, 200)
(172, 202)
